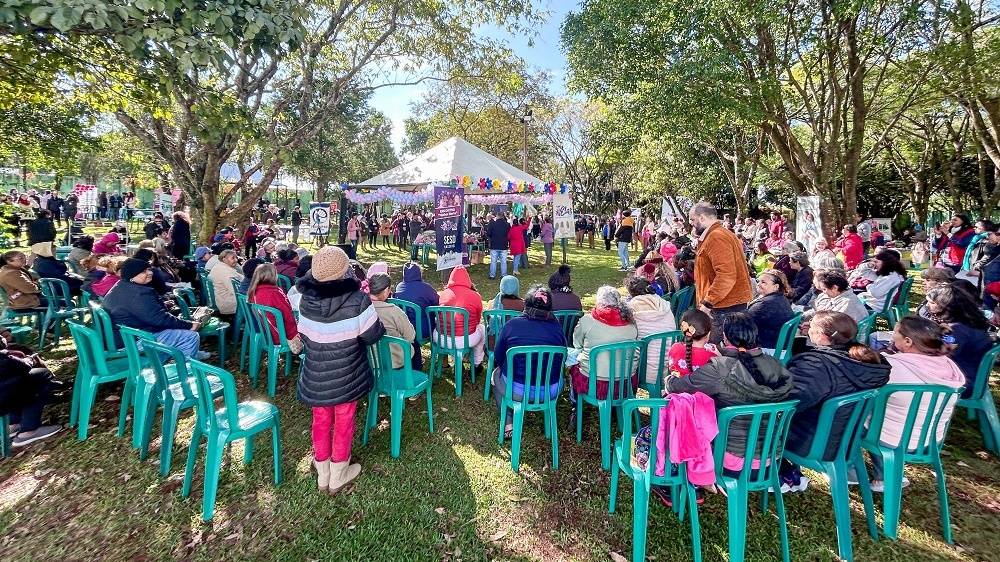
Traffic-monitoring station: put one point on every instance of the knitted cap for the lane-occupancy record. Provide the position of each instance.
(133, 267)
(330, 263)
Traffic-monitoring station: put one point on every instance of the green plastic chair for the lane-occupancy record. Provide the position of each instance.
(980, 405)
(175, 391)
(643, 478)
(447, 343)
(85, 298)
(207, 289)
(113, 357)
(20, 332)
(59, 307)
(139, 388)
(34, 315)
(568, 319)
(494, 320)
(621, 359)
(539, 362)
(928, 450)
(665, 340)
(856, 408)
(865, 328)
(767, 428)
(248, 336)
(285, 283)
(888, 310)
(93, 370)
(414, 313)
(265, 318)
(786, 338)
(397, 385)
(242, 316)
(681, 301)
(901, 308)
(185, 299)
(233, 422)
(5, 438)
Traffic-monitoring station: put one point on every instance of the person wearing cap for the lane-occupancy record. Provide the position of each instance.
(201, 256)
(414, 289)
(396, 323)
(41, 233)
(563, 297)
(249, 267)
(221, 276)
(287, 263)
(134, 303)
(337, 322)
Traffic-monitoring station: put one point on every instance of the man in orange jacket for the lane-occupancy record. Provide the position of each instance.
(721, 276)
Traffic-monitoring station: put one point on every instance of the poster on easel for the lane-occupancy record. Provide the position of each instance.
(319, 219)
(449, 230)
(808, 225)
(562, 216)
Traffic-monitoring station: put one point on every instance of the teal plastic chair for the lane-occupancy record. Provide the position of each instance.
(935, 399)
(93, 370)
(242, 317)
(494, 320)
(249, 338)
(980, 405)
(681, 301)
(448, 344)
(113, 357)
(621, 358)
(139, 388)
(265, 318)
(396, 384)
(786, 338)
(233, 422)
(59, 307)
(539, 361)
(186, 300)
(16, 317)
(285, 283)
(568, 319)
(665, 340)
(415, 314)
(207, 289)
(856, 408)
(643, 478)
(20, 332)
(901, 308)
(5, 438)
(767, 428)
(175, 391)
(865, 328)
(888, 310)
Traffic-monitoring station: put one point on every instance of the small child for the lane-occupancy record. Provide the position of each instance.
(695, 351)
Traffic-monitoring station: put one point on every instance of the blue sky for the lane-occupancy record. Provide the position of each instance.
(545, 53)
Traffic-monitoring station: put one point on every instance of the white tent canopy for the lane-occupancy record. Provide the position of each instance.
(448, 159)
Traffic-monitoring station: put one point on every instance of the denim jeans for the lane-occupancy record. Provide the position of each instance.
(495, 257)
(548, 253)
(517, 263)
(185, 340)
(623, 254)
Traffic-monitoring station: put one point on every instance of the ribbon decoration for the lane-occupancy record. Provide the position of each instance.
(538, 196)
(387, 193)
(489, 184)
(509, 198)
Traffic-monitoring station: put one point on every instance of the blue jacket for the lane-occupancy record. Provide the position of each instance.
(497, 232)
(414, 289)
(530, 332)
(139, 306)
(770, 312)
(51, 268)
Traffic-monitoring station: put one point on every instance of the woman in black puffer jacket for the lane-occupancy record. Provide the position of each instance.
(337, 322)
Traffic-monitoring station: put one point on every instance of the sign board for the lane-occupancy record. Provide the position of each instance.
(319, 219)
(670, 209)
(884, 226)
(562, 216)
(449, 228)
(808, 223)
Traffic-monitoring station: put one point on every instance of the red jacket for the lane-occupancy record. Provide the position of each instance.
(516, 238)
(853, 249)
(273, 296)
(460, 293)
(958, 243)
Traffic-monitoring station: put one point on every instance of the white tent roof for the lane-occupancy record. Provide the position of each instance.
(452, 157)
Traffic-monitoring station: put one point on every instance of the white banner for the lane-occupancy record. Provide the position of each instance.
(808, 225)
(319, 219)
(562, 216)
(884, 226)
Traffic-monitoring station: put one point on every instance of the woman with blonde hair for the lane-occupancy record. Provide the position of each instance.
(264, 290)
(111, 265)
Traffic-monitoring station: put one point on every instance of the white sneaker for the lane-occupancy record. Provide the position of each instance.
(879, 486)
(202, 355)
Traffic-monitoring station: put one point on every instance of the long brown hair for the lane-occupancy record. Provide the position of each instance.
(928, 336)
(842, 329)
(265, 274)
(784, 287)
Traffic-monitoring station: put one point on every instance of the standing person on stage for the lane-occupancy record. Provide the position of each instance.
(722, 280)
(498, 232)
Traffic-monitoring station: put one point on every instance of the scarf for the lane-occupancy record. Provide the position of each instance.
(537, 313)
(609, 316)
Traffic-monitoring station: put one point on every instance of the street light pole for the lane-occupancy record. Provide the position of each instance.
(525, 119)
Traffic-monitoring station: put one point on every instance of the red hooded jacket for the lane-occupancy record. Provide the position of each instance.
(460, 293)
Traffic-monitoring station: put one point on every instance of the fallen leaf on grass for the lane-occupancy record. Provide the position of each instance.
(439, 510)
(499, 535)
(962, 464)
(443, 409)
(618, 557)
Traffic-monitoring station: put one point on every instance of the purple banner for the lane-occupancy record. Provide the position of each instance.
(449, 228)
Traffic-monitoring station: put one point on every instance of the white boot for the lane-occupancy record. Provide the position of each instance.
(323, 474)
(342, 474)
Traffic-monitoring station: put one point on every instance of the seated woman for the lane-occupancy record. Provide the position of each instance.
(836, 365)
(82, 249)
(112, 267)
(563, 297)
(23, 293)
(762, 258)
(221, 275)
(264, 290)
(954, 309)
(771, 310)
(535, 327)
(287, 263)
(396, 323)
(509, 297)
(821, 250)
(836, 295)
(922, 349)
(26, 387)
(742, 374)
(268, 249)
(694, 352)
(610, 321)
(652, 315)
(161, 275)
(108, 244)
(802, 281)
(890, 274)
(249, 267)
(48, 267)
(461, 293)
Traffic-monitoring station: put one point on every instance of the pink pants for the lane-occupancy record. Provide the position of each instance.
(333, 431)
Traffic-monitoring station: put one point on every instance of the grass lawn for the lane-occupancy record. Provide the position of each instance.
(450, 496)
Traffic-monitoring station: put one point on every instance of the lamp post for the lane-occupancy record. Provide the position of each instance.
(525, 119)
